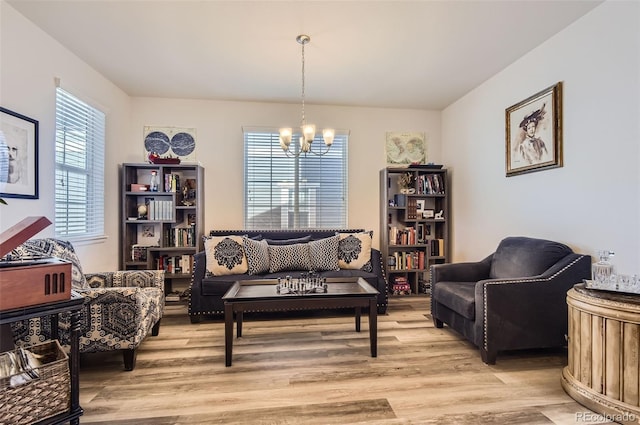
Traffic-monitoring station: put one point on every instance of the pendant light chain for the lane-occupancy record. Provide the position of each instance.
(303, 118)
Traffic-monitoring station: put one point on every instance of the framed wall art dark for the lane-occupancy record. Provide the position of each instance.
(18, 155)
(534, 132)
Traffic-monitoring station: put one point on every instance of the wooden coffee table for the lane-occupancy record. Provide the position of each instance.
(261, 295)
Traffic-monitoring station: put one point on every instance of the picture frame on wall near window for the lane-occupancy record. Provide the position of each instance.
(18, 155)
(534, 132)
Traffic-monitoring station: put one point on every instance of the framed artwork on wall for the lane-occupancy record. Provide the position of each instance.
(406, 148)
(534, 132)
(18, 155)
(171, 142)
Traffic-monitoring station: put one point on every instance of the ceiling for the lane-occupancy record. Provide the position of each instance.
(393, 54)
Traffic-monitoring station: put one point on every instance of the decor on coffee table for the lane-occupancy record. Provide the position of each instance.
(307, 283)
(272, 254)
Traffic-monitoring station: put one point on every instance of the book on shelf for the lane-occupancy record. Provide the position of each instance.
(412, 260)
(159, 210)
(412, 208)
(430, 184)
(175, 264)
(180, 236)
(437, 247)
(406, 236)
(172, 182)
(139, 252)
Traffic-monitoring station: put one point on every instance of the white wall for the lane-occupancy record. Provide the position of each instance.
(29, 62)
(591, 203)
(219, 147)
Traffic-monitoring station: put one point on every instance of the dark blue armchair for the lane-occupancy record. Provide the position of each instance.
(513, 299)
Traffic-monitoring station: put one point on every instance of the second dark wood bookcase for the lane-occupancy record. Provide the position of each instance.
(161, 229)
(414, 225)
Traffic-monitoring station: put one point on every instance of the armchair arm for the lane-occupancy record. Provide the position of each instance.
(376, 264)
(126, 278)
(118, 317)
(461, 272)
(530, 311)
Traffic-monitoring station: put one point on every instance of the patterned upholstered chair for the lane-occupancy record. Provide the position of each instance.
(120, 309)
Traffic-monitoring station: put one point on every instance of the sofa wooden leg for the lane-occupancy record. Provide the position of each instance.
(438, 323)
(488, 356)
(156, 328)
(129, 357)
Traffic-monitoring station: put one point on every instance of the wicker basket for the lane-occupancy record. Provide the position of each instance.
(41, 398)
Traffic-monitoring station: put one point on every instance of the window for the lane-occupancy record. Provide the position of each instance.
(282, 192)
(79, 168)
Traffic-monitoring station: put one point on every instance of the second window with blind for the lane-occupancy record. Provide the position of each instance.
(288, 192)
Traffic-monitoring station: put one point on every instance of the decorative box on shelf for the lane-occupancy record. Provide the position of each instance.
(28, 282)
(135, 187)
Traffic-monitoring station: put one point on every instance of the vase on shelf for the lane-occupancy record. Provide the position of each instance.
(153, 182)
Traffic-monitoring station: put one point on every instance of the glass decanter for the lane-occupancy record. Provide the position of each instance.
(602, 271)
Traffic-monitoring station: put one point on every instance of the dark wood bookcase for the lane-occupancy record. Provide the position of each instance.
(161, 229)
(414, 225)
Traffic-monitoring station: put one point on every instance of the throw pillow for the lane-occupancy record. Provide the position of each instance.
(323, 253)
(354, 250)
(225, 255)
(302, 239)
(289, 257)
(257, 252)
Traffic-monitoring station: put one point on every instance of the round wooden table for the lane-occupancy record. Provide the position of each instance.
(603, 372)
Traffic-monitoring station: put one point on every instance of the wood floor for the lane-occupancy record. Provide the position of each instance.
(316, 369)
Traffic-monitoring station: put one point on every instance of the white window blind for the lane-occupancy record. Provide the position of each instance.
(79, 168)
(282, 192)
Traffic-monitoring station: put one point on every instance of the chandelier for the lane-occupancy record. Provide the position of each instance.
(308, 131)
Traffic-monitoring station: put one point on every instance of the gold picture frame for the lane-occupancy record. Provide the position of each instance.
(534, 132)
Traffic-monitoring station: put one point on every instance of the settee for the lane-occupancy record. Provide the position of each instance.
(233, 255)
(513, 299)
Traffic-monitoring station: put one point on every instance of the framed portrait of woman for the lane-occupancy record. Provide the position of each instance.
(534, 132)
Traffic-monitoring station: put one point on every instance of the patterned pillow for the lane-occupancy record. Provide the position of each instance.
(257, 253)
(57, 248)
(323, 254)
(225, 255)
(289, 257)
(354, 251)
